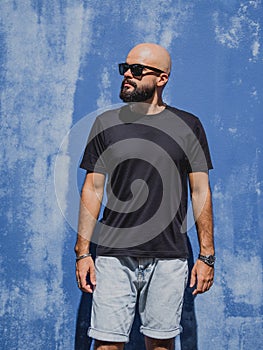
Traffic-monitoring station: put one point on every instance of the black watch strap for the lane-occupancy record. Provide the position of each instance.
(208, 259)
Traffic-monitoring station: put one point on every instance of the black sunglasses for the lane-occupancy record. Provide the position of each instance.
(136, 69)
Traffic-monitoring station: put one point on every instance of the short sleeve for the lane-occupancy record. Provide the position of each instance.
(198, 150)
(92, 160)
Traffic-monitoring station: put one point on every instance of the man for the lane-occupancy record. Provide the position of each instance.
(148, 152)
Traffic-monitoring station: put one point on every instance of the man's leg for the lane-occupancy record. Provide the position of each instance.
(159, 344)
(113, 304)
(160, 302)
(103, 345)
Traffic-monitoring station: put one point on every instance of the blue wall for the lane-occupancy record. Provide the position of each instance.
(58, 65)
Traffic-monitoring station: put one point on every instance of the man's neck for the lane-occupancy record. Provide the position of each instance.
(147, 107)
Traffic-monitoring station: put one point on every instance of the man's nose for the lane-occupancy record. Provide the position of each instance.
(128, 74)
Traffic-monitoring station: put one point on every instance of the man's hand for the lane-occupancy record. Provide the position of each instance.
(85, 274)
(202, 276)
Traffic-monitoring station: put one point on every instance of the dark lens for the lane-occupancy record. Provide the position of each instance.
(123, 67)
(136, 69)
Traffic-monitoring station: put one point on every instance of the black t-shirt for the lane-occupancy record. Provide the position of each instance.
(146, 160)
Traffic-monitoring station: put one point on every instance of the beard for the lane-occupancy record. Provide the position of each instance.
(138, 94)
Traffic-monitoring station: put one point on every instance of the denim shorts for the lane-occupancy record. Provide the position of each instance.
(157, 285)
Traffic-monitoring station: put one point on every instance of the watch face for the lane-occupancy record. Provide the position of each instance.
(211, 259)
(208, 259)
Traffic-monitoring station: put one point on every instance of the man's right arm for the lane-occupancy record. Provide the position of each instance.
(91, 198)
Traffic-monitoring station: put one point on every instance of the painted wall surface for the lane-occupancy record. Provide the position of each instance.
(58, 65)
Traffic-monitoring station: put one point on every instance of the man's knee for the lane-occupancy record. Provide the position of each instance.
(159, 344)
(104, 345)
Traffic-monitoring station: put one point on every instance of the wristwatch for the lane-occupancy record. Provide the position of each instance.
(208, 259)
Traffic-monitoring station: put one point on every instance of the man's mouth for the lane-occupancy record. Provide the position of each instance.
(126, 84)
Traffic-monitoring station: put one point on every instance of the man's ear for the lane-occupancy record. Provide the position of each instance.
(162, 79)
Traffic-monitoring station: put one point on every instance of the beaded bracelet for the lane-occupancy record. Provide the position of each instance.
(82, 256)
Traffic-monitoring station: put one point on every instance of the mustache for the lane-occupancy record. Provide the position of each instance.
(128, 81)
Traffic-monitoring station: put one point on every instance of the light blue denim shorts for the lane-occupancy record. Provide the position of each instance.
(157, 285)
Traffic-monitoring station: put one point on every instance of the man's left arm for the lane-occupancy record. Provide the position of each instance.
(202, 274)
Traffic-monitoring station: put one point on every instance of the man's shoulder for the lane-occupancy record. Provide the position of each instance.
(109, 117)
(187, 117)
(108, 113)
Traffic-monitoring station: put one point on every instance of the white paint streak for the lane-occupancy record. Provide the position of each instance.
(245, 282)
(232, 36)
(232, 130)
(232, 31)
(162, 21)
(255, 48)
(42, 64)
(105, 89)
(254, 93)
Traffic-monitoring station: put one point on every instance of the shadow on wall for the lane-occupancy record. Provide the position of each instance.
(188, 337)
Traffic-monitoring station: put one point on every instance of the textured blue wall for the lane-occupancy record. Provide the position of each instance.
(58, 64)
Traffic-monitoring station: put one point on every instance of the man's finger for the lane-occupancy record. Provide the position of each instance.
(193, 278)
(93, 276)
(87, 288)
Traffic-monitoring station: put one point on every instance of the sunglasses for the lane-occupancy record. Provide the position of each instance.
(136, 69)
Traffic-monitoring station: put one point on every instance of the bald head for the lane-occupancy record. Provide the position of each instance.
(152, 55)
